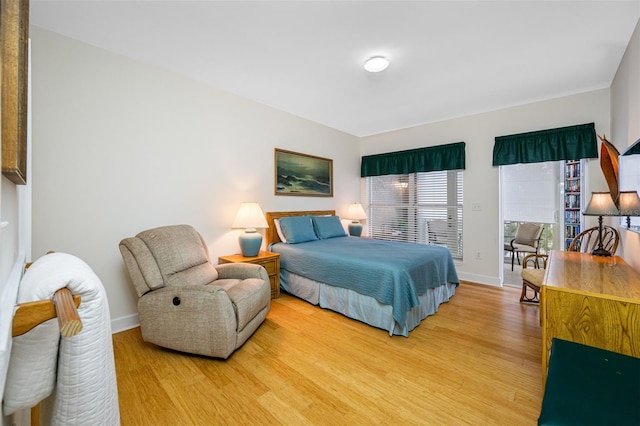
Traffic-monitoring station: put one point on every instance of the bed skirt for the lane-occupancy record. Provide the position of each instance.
(365, 308)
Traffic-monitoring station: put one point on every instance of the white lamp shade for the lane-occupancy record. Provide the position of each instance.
(356, 212)
(629, 203)
(250, 216)
(601, 204)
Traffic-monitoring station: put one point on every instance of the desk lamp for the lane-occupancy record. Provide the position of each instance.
(601, 204)
(629, 205)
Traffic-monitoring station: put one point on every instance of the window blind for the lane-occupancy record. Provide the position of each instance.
(424, 208)
(532, 192)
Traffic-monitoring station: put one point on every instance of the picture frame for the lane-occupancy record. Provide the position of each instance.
(14, 54)
(299, 174)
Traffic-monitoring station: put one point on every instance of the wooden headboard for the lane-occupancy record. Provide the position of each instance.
(272, 234)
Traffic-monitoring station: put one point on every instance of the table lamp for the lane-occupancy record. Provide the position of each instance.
(356, 214)
(601, 204)
(629, 205)
(250, 217)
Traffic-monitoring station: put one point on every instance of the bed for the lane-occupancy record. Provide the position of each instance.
(386, 284)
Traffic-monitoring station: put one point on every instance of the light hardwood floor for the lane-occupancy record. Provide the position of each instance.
(475, 362)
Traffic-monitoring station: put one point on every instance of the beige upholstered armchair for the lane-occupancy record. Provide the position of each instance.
(526, 240)
(185, 302)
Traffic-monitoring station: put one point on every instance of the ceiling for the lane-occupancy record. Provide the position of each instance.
(448, 58)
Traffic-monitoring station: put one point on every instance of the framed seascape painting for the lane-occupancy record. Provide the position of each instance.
(302, 174)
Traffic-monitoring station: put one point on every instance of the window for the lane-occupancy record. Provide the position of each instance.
(422, 207)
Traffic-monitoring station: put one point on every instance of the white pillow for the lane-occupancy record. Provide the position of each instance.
(276, 222)
(345, 224)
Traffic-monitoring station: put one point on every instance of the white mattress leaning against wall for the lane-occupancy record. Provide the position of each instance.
(74, 378)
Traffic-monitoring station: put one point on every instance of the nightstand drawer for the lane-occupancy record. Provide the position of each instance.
(270, 267)
(275, 286)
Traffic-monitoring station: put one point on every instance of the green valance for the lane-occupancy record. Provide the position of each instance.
(563, 143)
(430, 159)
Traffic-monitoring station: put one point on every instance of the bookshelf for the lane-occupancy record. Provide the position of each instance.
(572, 200)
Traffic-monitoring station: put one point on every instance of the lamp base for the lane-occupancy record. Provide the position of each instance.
(355, 229)
(250, 243)
(601, 252)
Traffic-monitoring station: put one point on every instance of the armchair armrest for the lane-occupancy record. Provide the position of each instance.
(241, 271)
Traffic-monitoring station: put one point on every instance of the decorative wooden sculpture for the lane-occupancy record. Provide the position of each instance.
(609, 165)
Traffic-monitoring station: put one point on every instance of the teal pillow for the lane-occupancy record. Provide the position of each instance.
(297, 229)
(328, 227)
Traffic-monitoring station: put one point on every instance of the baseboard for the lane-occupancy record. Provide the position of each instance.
(480, 279)
(124, 323)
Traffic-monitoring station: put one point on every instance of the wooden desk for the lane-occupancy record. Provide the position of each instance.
(591, 300)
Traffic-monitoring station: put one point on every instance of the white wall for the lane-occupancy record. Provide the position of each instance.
(625, 125)
(120, 146)
(481, 180)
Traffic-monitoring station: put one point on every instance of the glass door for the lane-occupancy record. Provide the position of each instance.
(530, 193)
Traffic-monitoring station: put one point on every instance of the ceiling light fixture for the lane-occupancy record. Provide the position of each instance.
(376, 64)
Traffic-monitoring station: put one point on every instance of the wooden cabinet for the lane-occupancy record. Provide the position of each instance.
(270, 261)
(593, 300)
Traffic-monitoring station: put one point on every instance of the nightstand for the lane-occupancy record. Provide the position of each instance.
(270, 261)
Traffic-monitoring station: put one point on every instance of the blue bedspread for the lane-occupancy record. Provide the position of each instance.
(393, 273)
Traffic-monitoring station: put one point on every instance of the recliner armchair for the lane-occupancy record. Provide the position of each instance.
(185, 302)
